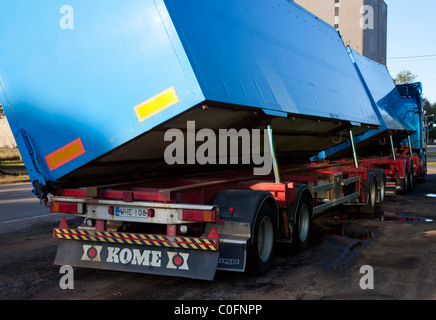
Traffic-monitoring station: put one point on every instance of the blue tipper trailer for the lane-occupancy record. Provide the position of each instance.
(402, 120)
(91, 89)
(395, 120)
(83, 102)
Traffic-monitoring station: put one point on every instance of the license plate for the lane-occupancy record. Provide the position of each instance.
(131, 212)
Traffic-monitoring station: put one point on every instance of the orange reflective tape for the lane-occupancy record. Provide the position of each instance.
(65, 154)
(156, 104)
(54, 207)
(207, 216)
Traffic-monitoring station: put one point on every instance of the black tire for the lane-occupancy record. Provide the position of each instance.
(423, 176)
(405, 186)
(382, 191)
(424, 170)
(369, 208)
(260, 253)
(303, 225)
(410, 180)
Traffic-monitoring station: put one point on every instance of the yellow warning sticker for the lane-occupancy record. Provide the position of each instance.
(156, 104)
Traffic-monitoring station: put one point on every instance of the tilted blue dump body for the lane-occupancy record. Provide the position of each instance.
(394, 115)
(412, 98)
(89, 89)
(384, 93)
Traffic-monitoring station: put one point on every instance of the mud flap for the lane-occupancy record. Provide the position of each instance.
(233, 255)
(196, 264)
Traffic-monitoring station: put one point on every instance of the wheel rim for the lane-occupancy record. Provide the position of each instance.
(265, 238)
(373, 194)
(382, 191)
(406, 181)
(304, 222)
(411, 180)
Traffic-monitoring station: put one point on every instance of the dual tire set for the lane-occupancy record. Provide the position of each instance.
(260, 253)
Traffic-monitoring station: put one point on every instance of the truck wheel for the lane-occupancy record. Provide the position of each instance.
(424, 170)
(405, 187)
(410, 180)
(260, 253)
(382, 192)
(382, 189)
(423, 174)
(369, 208)
(302, 225)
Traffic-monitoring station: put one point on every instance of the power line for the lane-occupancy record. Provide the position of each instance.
(413, 57)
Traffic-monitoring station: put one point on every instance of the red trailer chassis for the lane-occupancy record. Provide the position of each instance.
(194, 226)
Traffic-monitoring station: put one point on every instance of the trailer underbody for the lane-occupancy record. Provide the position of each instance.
(192, 227)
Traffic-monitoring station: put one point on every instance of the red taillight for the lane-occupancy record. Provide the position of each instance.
(65, 207)
(199, 215)
(111, 210)
(150, 213)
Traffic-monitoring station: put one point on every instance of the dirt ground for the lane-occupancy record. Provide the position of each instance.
(402, 255)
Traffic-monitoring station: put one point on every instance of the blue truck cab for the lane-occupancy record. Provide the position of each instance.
(422, 122)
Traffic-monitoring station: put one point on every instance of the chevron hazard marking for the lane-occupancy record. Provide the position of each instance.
(205, 244)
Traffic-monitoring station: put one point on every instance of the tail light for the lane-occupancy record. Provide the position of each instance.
(66, 207)
(150, 213)
(199, 215)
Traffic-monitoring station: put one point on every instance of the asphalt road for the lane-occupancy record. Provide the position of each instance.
(431, 148)
(19, 208)
(401, 253)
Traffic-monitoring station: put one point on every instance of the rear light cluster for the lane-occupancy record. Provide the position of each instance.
(65, 207)
(199, 215)
(185, 214)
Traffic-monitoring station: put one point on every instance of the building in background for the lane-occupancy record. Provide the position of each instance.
(361, 23)
(7, 139)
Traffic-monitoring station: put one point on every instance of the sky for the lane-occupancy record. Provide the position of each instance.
(411, 35)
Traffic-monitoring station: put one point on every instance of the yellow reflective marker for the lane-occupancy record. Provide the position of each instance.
(156, 104)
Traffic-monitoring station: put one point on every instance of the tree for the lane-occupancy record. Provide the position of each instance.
(405, 76)
(430, 108)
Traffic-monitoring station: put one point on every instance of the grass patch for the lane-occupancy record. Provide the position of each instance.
(9, 154)
(12, 169)
(431, 164)
(431, 154)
